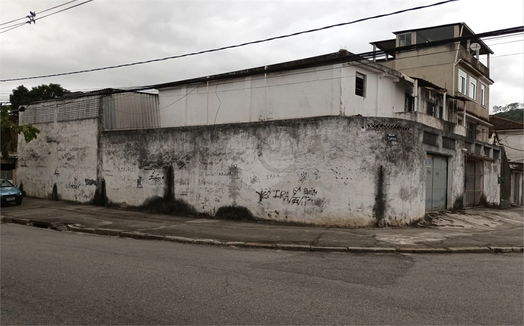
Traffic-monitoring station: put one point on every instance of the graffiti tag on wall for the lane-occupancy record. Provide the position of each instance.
(298, 196)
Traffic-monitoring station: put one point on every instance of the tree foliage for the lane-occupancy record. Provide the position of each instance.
(10, 131)
(513, 111)
(9, 115)
(22, 96)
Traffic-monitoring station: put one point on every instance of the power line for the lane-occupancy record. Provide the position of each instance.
(13, 27)
(353, 57)
(231, 46)
(506, 55)
(56, 12)
(63, 4)
(33, 20)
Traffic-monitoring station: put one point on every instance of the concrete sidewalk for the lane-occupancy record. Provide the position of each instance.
(479, 230)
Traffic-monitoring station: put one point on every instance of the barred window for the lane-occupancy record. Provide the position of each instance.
(360, 84)
(448, 143)
(430, 139)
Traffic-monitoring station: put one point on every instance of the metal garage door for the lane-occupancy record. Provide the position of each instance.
(474, 182)
(436, 181)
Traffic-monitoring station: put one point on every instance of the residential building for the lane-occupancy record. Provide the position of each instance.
(462, 69)
(329, 140)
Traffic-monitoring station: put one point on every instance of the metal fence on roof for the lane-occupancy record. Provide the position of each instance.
(131, 111)
(120, 111)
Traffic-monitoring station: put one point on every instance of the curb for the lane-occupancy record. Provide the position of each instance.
(258, 245)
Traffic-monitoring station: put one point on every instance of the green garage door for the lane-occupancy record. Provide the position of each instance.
(436, 181)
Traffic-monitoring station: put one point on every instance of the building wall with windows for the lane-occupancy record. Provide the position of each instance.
(333, 143)
(336, 89)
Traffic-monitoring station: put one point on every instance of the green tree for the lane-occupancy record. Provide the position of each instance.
(22, 96)
(10, 131)
(9, 115)
(513, 111)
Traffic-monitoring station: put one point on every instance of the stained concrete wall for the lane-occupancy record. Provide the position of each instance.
(327, 171)
(64, 157)
(491, 187)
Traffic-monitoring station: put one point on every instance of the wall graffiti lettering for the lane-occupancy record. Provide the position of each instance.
(310, 191)
(263, 194)
(155, 176)
(90, 182)
(73, 185)
(254, 179)
(302, 176)
(126, 169)
(56, 172)
(272, 176)
(298, 196)
(139, 183)
(305, 175)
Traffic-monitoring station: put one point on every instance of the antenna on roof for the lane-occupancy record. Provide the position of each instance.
(475, 47)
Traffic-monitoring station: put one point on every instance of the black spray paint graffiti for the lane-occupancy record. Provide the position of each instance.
(74, 185)
(139, 182)
(263, 194)
(303, 176)
(56, 172)
(297, 196)
(155, 176)
(90, 182)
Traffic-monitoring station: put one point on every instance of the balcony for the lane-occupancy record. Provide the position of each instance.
(431, 121)
(465, 55)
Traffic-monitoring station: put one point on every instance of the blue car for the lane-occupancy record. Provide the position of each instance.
(10, 193)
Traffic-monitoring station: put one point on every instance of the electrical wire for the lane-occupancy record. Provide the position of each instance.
(506, 55)
(37, 12)
(53, 13)
(231, 46)
(56, 12)
(364, 55)
(7, 29)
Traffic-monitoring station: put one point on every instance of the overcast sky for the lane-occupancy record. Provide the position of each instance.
(110, 32)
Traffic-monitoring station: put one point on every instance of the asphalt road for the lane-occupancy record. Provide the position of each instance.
(50, 277)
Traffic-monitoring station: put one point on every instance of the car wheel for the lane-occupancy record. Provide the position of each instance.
(19, 202)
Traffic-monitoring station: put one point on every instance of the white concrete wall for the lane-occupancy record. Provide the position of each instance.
(324, 171)
(513, 142)
(320, 91)
(65, 154)
(491, 185)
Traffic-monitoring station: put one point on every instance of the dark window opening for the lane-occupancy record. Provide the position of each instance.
(360, 85)
(448, 143)
(430, 139)
(471, 130)
(430, 108)
(409, 103)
